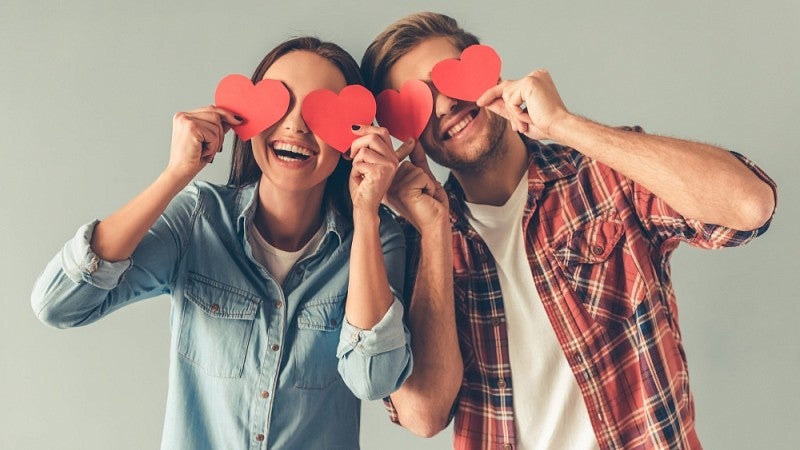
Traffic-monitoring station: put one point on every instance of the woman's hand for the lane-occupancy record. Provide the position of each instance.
(197, 136)
(374, 166)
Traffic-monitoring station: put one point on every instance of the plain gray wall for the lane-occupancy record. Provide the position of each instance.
(88, 89)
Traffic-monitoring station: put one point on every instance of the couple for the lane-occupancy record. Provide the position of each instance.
(533, 290)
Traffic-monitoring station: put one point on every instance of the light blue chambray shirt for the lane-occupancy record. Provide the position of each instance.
(252, 365)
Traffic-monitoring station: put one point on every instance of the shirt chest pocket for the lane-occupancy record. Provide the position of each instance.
(216, 326)
(319, 324)
(598, 265)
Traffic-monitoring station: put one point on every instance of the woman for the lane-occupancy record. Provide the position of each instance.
(281, 305)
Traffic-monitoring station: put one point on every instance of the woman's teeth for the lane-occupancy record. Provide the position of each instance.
(460, 125)
(289, 152)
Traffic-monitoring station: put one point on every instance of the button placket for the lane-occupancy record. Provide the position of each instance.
(271, 361)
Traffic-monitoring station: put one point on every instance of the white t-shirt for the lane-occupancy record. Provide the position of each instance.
(279, 262)
(548, 407)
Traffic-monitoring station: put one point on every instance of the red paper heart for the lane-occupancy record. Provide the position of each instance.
(261, 106)
(331, 116)
(467, 78)
(405, 114)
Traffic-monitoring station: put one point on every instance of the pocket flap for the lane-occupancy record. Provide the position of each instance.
(220, 300)
(324, 315)
(593, 242)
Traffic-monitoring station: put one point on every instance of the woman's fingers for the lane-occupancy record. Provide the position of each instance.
(222, 120)
(377, 144)
(363, 130)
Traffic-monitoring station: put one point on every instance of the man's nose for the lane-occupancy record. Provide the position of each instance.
(443, 104)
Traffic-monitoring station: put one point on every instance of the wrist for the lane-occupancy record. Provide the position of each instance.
(174, 180)
(436, 228)
(565, 127)
(367, 217)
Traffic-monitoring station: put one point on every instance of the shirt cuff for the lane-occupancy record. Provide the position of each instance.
(387, 335)
(82, 265)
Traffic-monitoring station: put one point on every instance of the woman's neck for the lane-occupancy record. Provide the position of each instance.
(288, 219)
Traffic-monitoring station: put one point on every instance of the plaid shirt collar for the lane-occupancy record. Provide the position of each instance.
(545, 164)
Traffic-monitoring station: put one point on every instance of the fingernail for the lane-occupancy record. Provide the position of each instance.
(239, 118)
(410, 141)
(356, 127)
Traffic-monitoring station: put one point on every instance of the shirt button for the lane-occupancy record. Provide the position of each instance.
(259, 437)
(94, 263)
(278, 304)
(275, 347)
(334, 322)
(264, 394)
(507, 447)
(215, 308)
(577, 357)
(495, 321)
(598, 250)
(501, 384)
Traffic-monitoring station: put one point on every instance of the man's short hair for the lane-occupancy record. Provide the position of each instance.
(402, 36)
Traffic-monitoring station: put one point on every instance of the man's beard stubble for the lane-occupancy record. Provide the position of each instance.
(490, 152)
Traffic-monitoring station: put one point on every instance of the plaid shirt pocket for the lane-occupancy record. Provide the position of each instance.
(599, 266)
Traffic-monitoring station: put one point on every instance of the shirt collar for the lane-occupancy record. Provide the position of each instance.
(246, 204)
(546, 163)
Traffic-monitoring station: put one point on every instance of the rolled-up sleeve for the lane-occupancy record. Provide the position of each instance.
(77, 287)
(374, 363)
(81, 264)
(666, 227)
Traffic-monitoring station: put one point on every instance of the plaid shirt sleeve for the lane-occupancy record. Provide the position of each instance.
(666, 227)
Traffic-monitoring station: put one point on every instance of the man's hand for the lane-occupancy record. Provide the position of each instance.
(415, 194)
(543, 106)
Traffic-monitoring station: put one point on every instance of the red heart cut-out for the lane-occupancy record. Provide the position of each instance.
(261, 106)
(331, 116)
(405, 113)
(467, 78)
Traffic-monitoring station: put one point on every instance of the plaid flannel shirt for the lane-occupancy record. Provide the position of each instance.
(599, 247)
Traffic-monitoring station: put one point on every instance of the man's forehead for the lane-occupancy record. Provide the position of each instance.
(418, 62)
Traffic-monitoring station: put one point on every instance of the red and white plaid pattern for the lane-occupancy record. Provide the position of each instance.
(599, 247)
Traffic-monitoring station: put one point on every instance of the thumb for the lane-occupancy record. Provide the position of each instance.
(419, 159)
(498, 106)
(405, 149)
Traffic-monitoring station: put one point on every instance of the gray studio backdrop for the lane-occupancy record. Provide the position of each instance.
(88, 89)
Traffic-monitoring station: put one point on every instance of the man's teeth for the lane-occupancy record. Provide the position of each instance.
(289, 152)
(460, 125)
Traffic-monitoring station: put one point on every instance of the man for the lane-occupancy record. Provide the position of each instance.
(564, 308)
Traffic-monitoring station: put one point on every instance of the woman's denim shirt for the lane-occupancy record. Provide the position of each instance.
(253, 365)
